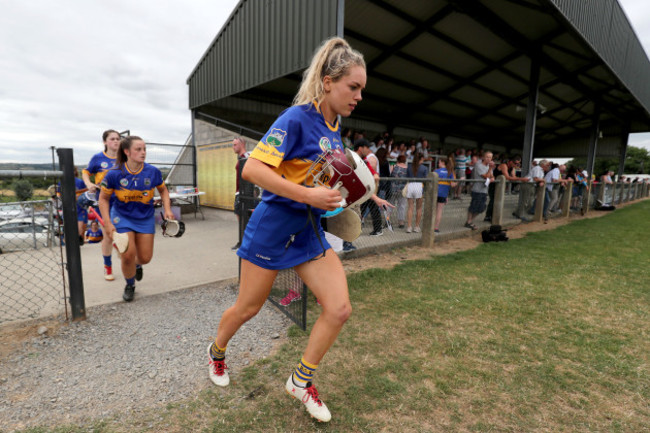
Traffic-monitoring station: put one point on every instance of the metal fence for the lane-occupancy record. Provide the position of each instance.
(36, 272)
(31, 264)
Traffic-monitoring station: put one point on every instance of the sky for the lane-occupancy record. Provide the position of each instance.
(70, 69)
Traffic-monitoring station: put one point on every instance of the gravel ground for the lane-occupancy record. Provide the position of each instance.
(127, 357)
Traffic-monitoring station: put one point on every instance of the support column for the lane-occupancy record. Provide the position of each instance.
(593, 141)
(340, 17)
(529, 132)
(621, 159)
(531, 116)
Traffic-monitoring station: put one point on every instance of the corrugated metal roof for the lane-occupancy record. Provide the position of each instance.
(453, 67)
(261, 41)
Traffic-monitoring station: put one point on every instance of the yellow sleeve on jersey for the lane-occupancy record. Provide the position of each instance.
(267, 154)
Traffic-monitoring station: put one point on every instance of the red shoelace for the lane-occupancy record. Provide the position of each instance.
(219, 367)
(311, 392)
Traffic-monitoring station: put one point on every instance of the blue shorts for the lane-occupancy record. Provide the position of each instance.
(269, 231)
(82, 214)
(125, 224)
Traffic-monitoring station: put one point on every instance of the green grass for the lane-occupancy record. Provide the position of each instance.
(547, 333)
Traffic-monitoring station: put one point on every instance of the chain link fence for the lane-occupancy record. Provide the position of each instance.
(32, 277)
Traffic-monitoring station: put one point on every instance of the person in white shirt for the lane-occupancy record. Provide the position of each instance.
(527, 190)
(552, 179)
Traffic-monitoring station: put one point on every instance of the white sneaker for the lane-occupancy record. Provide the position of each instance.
(309, 396)
(416, 230)
(408, 230)
(108, 273)
(218, 374)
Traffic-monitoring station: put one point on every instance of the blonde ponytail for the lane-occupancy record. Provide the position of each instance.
(334, 57)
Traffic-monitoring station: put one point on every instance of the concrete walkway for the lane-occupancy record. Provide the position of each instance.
(202, 255)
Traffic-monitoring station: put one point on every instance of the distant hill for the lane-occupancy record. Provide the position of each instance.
(27, 166)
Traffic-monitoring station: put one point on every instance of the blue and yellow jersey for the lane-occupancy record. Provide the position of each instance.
(99, 164)
(133, 190)
(80, 186)
(291, 145)
(444, 182)
(94, 237)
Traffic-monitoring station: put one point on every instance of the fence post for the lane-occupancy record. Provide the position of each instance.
(71, 233)
(540, 192)
(499, 198)
(565, 204)
(429, 216)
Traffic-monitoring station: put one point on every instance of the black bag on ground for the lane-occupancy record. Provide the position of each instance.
(494, 234)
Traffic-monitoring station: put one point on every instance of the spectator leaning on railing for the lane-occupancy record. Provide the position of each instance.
(505, 168)
(482, 171)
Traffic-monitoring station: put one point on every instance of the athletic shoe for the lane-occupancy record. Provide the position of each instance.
(376, 233)
(348, 246)
(409, 230)
(138, 273)
(416, 230)
(436, 231)
(129, 291)
(218, 374)
(108, 273)
(292, 296)
(309, 397)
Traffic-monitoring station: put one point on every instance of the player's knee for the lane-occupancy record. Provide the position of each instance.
(247, 313)
(143, 260)
(340, 313)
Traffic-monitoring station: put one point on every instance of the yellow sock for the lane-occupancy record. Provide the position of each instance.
(304, 373)
(217, 352)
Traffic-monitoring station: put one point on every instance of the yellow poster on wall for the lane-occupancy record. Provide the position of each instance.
(216, 174)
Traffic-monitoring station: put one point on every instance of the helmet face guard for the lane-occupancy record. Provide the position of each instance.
(345, 172)
(172, 228)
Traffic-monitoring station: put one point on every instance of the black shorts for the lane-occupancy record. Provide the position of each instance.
(442, 199)
(478, 203)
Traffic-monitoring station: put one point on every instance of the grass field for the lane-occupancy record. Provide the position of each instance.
(549, 333)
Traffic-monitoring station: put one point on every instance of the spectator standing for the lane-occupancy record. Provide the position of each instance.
(414, 193)
(239, 147)
(444, 186)
(483, 172)
(553, 180)
(397, 198)
(384, 171)
(362, 147)
(461, 170)
(506, 169)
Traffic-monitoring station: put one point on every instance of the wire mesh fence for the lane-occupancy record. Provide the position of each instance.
(176, 162)
(32, 279)
(417, 221)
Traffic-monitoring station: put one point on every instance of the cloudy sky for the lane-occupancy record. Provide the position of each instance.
(69, 69)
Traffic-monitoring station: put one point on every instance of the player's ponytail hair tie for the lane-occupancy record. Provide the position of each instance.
(334, 57)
